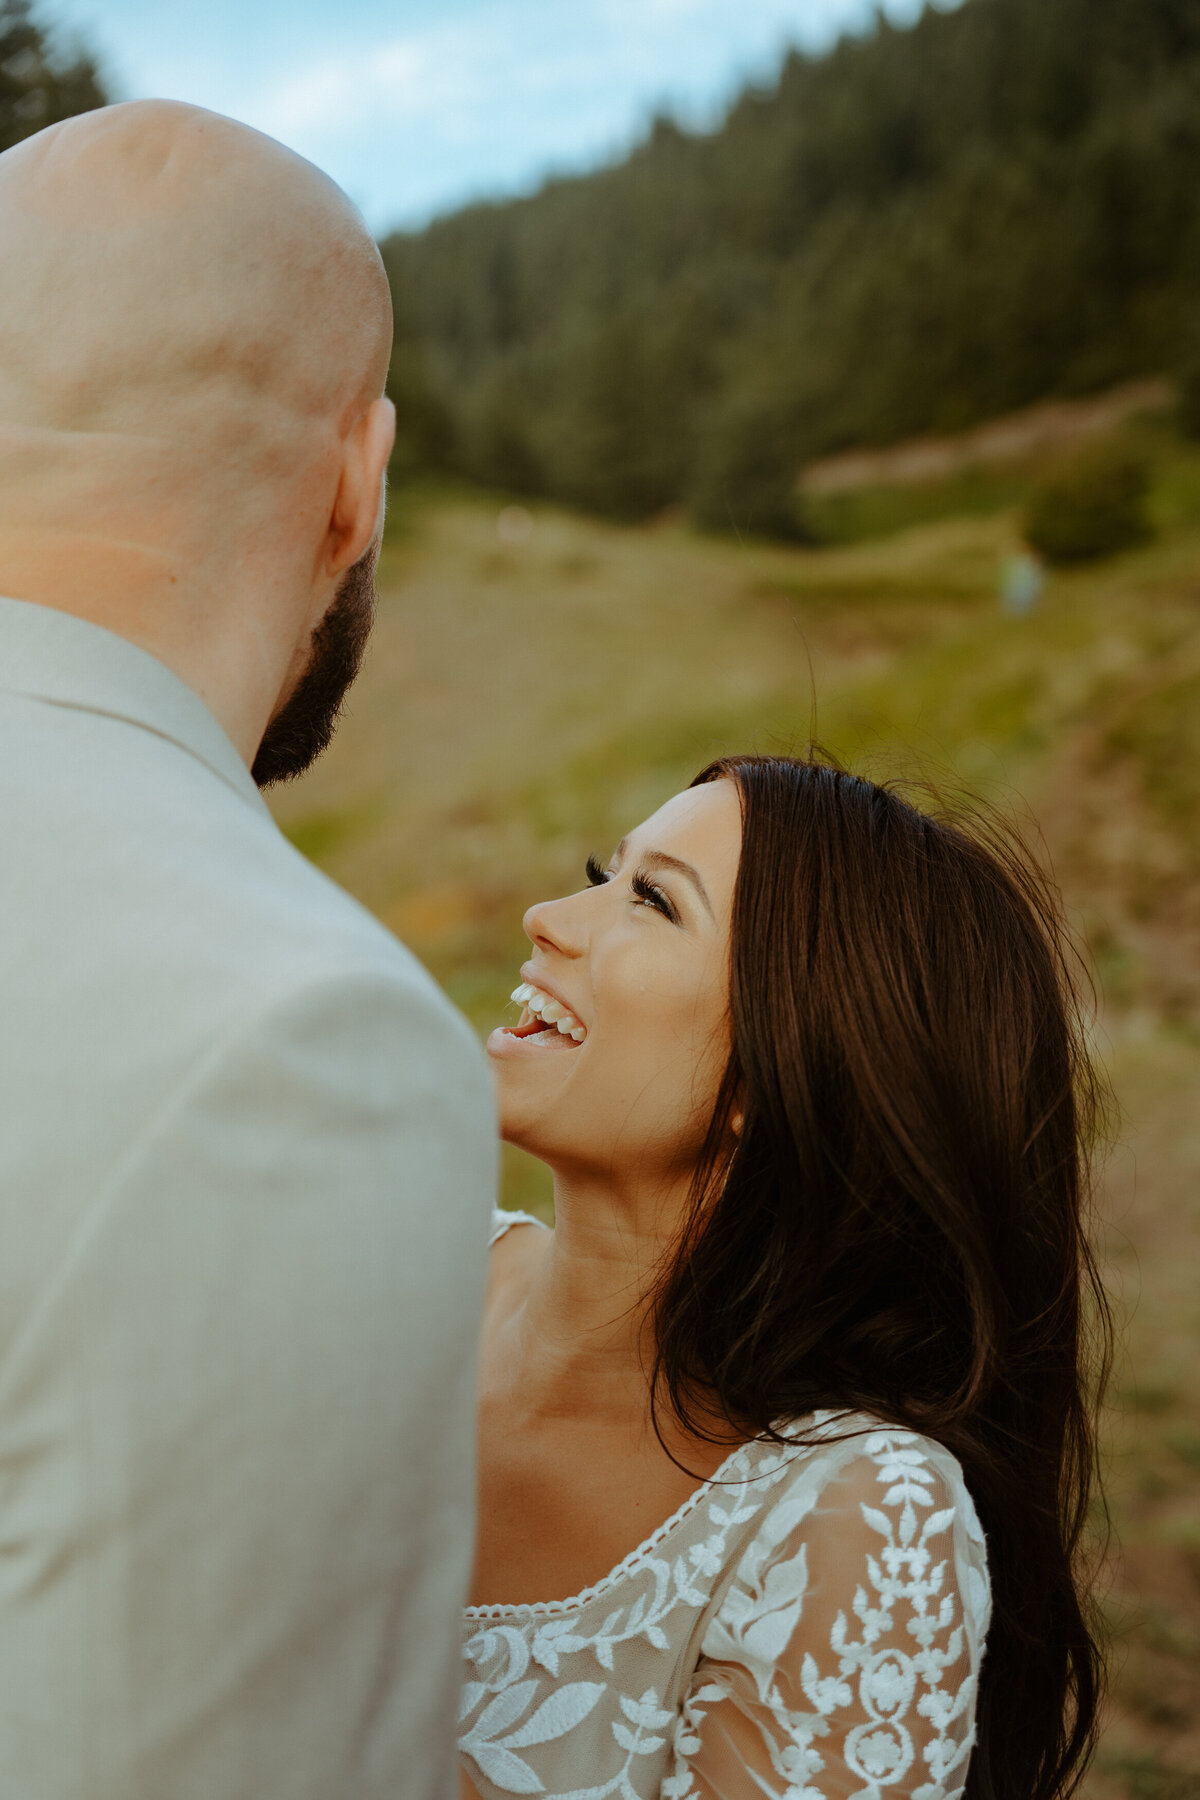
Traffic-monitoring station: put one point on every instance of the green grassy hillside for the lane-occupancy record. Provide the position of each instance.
(527, 698)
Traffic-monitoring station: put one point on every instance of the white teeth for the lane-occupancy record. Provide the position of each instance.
(551, 1012)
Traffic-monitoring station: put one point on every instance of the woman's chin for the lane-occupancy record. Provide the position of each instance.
(529, 1075)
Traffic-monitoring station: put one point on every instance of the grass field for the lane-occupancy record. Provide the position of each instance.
(526, 701)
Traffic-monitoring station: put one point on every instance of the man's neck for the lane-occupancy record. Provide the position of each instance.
(182, 615)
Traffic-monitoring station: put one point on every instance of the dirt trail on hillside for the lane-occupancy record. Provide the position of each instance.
(1052, 425)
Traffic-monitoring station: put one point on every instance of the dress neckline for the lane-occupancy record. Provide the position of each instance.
(509, 1609)
(503, 1222)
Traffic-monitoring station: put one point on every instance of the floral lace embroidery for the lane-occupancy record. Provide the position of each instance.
(589, 1700)
(876, 1679)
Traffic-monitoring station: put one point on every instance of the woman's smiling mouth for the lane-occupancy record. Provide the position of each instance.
(543, 1011)
(545, 1024)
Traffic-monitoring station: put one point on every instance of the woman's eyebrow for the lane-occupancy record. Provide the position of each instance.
(659, 859)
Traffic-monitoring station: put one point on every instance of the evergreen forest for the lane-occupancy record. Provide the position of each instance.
(920, 229)
(41, 83)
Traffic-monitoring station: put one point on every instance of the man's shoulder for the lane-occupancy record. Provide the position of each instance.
(279, 904)
(274, 930)
(278, 938)
(341, 969)
(152, 894)
(168, 840)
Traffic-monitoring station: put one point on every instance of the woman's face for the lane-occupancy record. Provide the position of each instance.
(624, 1035)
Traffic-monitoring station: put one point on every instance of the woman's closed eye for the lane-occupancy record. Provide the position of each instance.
(646, 892)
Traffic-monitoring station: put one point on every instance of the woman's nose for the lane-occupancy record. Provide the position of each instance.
(556, 925)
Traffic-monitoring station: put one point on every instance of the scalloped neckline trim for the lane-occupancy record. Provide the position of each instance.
(509, 1609)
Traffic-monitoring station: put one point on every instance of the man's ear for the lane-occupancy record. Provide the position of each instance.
(358, 505)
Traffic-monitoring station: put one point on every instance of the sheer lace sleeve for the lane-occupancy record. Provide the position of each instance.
(843, 1659)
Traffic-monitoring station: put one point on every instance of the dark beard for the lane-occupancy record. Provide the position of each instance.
(306, 721)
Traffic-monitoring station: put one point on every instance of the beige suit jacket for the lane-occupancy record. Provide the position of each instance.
(246, 1167)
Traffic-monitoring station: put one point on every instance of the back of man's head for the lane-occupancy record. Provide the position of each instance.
(194, 334)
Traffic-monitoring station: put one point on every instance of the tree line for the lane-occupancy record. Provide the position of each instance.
(917, 230)
(920, 229)
(41, 82)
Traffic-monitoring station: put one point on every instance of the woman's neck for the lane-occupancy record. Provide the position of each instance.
(580, 1340)
(580, 1331)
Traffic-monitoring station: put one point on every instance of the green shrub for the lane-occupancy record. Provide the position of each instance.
(1188, 388)
(746, 478)
(1091, 506)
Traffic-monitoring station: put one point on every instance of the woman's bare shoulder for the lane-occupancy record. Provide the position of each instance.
(518, 1241)
(505, 1223)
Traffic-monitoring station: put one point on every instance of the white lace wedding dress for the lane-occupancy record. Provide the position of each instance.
(808, 1626)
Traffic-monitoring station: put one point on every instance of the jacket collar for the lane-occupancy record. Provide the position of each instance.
(54, 656)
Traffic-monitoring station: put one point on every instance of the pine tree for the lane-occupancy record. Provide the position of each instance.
(39, 85)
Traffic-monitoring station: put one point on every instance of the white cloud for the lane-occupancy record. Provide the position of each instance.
(513, 51)
(329, 96)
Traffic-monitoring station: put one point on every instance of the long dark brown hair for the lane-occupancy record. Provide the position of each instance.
(901, 1227)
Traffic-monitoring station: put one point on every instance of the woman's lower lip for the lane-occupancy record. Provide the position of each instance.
(542, 1043)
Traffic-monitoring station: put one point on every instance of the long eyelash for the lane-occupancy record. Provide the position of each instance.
(652, 894)
(644, 889)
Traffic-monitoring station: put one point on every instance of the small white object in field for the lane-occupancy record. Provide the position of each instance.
(514, 525)
(1022, 579)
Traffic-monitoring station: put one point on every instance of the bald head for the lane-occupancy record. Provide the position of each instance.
(194, 322)
(158, 257)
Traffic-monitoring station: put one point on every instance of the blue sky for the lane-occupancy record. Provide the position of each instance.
(415, 106)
